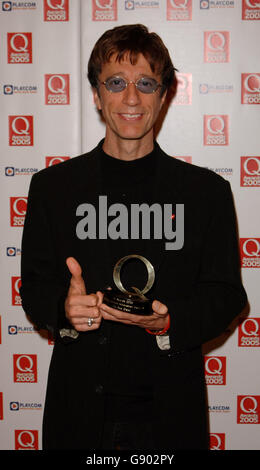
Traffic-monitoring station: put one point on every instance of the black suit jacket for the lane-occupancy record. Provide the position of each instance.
(199, 283)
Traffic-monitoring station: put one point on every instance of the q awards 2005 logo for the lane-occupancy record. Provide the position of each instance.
(1, 406)
(250, 172)
(217, 441)
(20, 130)
(250, 88)
(184, 89)
(179, 10)
(249, 333)
(216, 130)
(50, 161)
(26, 439)
(215, 370)
(25, 368)
(18, 207)
(186, 159)
(216, 46)
(56, 10)
(19, 48)
(57, 90)
(250, 10)
(104, 10)
(16, 284)
(250, 252)
(248, 409)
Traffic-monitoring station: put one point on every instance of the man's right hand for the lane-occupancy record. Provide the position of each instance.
(80, 307)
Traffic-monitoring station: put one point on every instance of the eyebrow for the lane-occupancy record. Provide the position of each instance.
(122, 75)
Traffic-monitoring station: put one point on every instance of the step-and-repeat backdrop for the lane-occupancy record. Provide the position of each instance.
(48, 115)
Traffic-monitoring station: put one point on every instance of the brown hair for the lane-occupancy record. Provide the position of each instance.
(132, 39)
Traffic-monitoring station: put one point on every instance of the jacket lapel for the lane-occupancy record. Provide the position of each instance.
(89, 186)
(167, 190)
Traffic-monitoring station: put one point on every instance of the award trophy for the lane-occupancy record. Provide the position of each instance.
(131, 302)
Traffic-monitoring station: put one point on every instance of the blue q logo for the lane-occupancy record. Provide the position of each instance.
(129, 5)
(9, 171)
(204, 88)
(10, 251)
(8, 89)
(12, 330)
(14, 405)
(204, 4)
(6, 6)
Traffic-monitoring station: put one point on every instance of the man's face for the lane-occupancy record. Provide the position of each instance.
(129, 114)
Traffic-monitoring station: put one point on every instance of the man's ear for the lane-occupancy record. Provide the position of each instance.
(96, 98)
(163, 97)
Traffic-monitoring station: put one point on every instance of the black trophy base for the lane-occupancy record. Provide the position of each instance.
(129, 303)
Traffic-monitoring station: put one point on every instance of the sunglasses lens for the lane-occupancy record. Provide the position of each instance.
(115, 84)
(147, 85)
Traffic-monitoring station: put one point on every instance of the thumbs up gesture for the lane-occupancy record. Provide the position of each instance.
(82, 309)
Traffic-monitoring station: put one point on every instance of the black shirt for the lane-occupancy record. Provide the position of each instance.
(129, 387)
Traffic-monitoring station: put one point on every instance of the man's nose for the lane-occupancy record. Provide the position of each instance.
(131, 95)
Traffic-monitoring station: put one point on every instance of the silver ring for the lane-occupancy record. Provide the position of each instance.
(90, 321)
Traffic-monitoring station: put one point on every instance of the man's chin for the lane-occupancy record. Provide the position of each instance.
(133, 136)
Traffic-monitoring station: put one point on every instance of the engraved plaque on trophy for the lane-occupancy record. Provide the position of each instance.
(130, 301)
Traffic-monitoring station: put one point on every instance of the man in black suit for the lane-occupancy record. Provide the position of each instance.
(119, 380)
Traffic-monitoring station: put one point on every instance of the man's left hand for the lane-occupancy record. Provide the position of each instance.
(156, 321)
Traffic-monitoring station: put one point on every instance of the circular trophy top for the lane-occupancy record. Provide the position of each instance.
(150, 271)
